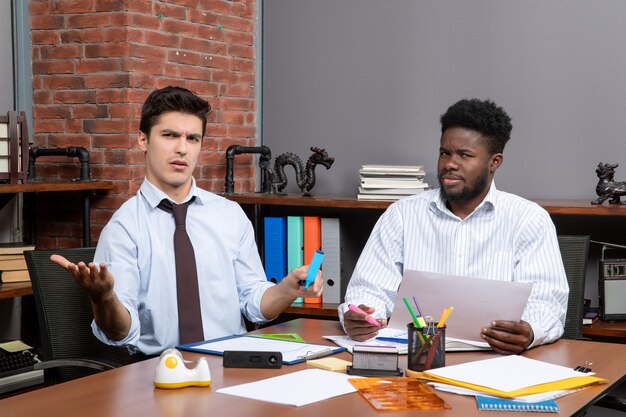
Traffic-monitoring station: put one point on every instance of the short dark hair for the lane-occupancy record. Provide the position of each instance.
(482, 116)
(172, 99)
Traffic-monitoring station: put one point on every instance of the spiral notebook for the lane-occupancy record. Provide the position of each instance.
(500, 404)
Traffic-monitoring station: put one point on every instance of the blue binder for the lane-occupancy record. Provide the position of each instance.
(275, 248)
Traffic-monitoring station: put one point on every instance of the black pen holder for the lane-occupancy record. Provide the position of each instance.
(427, 347)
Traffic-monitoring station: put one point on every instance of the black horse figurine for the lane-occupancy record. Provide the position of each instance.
(607, 186)
(305, 176)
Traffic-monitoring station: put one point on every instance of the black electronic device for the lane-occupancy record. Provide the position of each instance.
(612, 289)
(249, 359)
(612, 285)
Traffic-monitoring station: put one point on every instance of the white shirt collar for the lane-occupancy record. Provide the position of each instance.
(154, 195)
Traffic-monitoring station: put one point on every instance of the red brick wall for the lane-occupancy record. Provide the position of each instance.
(95, 61)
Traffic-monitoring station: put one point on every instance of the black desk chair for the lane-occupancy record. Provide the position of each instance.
(574, 251)
(69, 348)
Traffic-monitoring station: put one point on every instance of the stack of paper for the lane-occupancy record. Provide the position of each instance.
(390, 182)
(511, 377)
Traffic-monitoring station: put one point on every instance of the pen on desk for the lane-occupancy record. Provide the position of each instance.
(314, 266)
(370, 320)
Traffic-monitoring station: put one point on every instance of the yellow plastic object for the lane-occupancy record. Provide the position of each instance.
(398, 394)
(172, 373)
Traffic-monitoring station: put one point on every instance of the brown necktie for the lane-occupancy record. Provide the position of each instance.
(188, 297)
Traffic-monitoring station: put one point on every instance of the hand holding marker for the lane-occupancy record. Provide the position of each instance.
(314, 266)
(370, 320)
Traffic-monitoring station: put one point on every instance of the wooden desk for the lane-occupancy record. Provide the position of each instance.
(609, 331)
(128, 391)
(7, 191)
(15, 289)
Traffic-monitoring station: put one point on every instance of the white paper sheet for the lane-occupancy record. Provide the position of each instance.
(452, 344)
(507, 373)
(296, 389)
(476, 301)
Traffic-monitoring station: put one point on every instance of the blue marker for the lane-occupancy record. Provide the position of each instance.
(314, 266)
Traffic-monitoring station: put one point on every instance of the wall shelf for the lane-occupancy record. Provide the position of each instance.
(296, 204)
(555, 207)
(7, 191)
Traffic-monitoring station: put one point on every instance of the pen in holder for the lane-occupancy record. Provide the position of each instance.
(427, 347)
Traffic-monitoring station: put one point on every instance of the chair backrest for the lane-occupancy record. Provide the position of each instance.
(574, 250)
(64, 314)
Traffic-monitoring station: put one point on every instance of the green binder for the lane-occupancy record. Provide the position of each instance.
(295, 253)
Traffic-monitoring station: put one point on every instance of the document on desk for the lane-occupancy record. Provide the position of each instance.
(296, 389)
(512, 376)
(476, 302)
(293, 352)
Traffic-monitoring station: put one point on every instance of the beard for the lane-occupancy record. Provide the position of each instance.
(467, 192)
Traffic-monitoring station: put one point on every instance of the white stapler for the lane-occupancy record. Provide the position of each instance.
(171, 372)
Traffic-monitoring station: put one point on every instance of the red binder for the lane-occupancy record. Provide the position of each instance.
(312, 242)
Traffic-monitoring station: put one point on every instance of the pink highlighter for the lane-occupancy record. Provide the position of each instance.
(370, 320)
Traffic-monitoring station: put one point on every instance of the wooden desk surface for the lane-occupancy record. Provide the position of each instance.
(128, 391)
(609, 330)
(15, 289)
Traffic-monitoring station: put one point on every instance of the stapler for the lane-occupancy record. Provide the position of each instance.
(171, 372)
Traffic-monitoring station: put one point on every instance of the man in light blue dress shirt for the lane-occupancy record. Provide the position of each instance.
(466, 227)
(138, 308)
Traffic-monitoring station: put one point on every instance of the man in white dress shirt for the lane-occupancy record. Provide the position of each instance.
(139, 308)
(466, 227)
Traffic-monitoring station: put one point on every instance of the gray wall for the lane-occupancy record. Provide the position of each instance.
(6, 63)
(368, 80)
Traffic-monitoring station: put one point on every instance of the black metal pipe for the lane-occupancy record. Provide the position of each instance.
(71, 152)
(266, 156)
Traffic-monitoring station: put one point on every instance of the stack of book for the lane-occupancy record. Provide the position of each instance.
(390, 182)
(12, 263)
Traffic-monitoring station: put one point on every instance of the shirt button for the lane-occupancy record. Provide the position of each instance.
(460, 254)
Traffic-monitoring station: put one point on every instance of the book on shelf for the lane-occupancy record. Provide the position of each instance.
(14, 248)
(12, 264)
(379, 197)
(312, 241)
(275, 248)
(396, 183)
(295, 249)
(397, 191)
(378, 169)
(20, 275)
